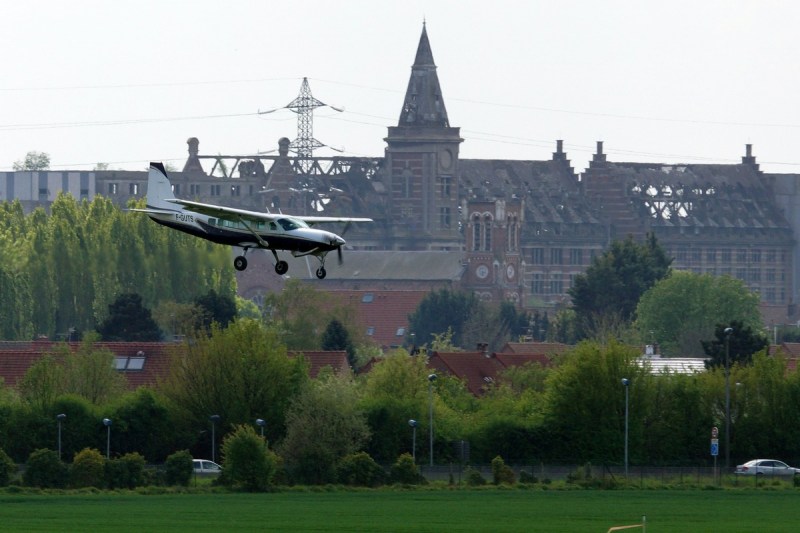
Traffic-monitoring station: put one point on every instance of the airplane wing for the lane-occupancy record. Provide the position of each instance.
(222, 211)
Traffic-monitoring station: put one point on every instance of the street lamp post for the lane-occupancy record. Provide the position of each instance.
(626, 383)
(107, 424)
(413, 424)
(214, 419)
(260, 423)
(60, 418)
(728, 332)
(431, 379)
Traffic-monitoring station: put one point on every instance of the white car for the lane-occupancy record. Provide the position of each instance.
(766, 467)
(204, 467)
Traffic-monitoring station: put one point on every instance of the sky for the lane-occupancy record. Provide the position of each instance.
(128, 82)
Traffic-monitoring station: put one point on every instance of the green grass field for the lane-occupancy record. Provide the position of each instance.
(493, 510)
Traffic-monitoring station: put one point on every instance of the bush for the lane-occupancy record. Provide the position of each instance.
(44, 469)
(527, 477)
(127, 472)
(361, 470)
(473, 477)
(248, 463)
(7, 468)
(88, 469)
(178, 468)
(501, 472)
(405, 471)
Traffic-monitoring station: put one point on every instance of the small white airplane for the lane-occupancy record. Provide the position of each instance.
(245, 229)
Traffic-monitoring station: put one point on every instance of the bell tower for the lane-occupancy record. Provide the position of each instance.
(422, 163)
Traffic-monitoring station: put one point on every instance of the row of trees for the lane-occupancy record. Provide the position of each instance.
(572, 412)
(60, 271)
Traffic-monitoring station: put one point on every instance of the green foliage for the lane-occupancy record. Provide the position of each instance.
(33, 161)
(45, 470)
(682, 310)
(336, 337)
(359, 469)
(128, 320)
(441, 311)
(89, 372)
(527, 477)
(606, 295)
(502, 474)
(88, 469)
(323, 424)
(739, 346)
(584, 403)
(178, 468)
(7, 468)
(248, 464)
(295, 312)
(473, 477)
(405, 471)
(83, 254)
(215, 308)
(240, 373)
(125, 472)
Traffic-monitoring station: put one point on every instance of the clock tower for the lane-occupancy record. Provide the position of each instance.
(493, 254)
(421, 162)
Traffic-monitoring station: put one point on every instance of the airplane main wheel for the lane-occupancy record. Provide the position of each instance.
(321, 273)
(281, 267)
(240, 263)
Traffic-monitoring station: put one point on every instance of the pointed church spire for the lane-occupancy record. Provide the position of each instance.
(423, 104)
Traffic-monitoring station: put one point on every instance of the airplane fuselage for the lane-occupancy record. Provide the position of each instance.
(285, 233)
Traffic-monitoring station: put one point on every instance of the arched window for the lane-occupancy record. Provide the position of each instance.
(476, 232)
(487, 232)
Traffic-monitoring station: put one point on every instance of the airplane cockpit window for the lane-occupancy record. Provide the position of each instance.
(289, 224)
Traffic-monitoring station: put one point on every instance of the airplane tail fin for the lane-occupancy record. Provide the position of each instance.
(159, 188)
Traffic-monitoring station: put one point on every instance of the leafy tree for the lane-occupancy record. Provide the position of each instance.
(240, 373)
(606, 295)
(44, 469)
(126, 472)
(296, 313)
(405, 471)
(739, 345)
(394, 391)
(129, 321)
(42, 382)
(88, 469)
(215, 308)
(178, 468)
(336, 337)
(7, 468)
(359, 469)
(441, 311)
(584, 403)
(33, 161)
(90, 372)
(248, 463)
(323, 425)
(680, 311)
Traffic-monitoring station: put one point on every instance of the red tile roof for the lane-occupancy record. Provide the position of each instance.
(17, 357)
(476, 369)
(382, 314)
(546, 348)
(318, 360)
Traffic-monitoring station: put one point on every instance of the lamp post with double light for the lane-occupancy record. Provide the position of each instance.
(728, 332)
(431, 379)
(626, 383)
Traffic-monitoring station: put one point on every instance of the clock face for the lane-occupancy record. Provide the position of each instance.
(482, 271)
(510, 271)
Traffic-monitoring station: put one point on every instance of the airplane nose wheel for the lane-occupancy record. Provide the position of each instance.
(281, 267)
(321, 273)
(240, 263)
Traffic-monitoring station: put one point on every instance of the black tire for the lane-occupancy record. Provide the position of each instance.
(281, 267)
(321, 273)
(240, 263)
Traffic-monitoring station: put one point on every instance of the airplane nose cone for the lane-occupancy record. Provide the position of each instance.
(339, 241)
